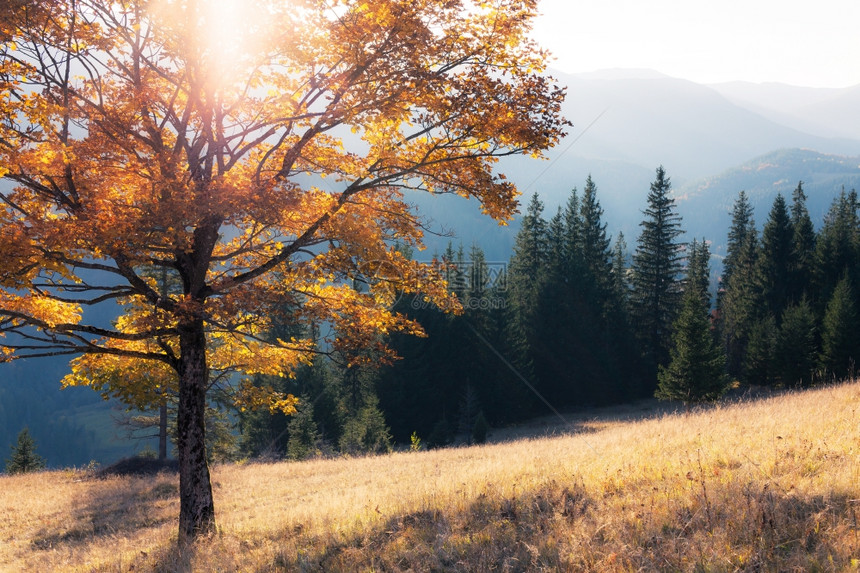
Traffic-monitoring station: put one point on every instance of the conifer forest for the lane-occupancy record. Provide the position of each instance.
(577, 318)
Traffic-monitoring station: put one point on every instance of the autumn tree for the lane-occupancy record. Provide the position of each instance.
(260, 151)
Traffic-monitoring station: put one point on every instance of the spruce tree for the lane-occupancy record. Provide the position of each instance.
(596, 252)
(802, 262)
(366, 430)
(304, 434)
(554, 328)
(838, 246)
(738, 296)
(759, 361)
(743, 225)
(620, 280)
(773, 270)
(573, 232)
(605, 336)
(696, 370)
(656, 267)
(557, 254)
(840, 334)
(795, 352)
(528, 262)
(477, 295)
(24, 458)
(698, 271)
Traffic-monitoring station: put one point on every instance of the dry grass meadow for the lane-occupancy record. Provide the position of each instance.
(765, 485)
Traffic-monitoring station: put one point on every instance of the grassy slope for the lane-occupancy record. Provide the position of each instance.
(760, 486)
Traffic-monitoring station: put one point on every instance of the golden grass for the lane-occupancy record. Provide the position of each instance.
(770, 485)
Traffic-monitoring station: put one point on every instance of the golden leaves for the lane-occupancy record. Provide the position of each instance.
(255, 397)
(43, 310)
(139, 383)
(234, 351)
(241, 185)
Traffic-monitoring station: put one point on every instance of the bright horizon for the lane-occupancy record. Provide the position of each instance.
(802, 44)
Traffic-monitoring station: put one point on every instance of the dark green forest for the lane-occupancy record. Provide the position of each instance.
(576, 319)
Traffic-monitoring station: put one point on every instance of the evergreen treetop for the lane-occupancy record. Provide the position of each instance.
(657, 265)
(802, 246)
(698, 271)
(742, 227)
(24, 458)
(773, 272)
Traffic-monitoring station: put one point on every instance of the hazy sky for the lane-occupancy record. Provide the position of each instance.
(801, 42)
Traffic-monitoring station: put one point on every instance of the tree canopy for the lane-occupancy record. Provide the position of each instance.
(259, 150)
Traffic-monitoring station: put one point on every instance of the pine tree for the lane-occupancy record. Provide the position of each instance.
(696, 370)
(698, 271)
(759, 361)
(656, 269)
(802, 262)
(738, 297)
(795, 352)
(840, 336)
(620, 281)
(743, 225)
(24, 458)
(596, 253)
(773, 271)
(838, 246)
(304, 434)
(528, 261)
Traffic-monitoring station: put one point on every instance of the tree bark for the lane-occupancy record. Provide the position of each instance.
(196, 507)
(162, 431)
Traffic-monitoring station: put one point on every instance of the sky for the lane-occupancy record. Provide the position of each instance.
(813, 43)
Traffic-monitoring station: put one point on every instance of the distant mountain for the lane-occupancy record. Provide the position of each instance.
(627, 122)
(819, 111)
(691, 129)
(706, 204)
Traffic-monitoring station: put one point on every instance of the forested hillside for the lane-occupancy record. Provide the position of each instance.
(550, 317)
(577, 318)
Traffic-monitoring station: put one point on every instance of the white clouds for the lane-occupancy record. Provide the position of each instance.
(802, 43)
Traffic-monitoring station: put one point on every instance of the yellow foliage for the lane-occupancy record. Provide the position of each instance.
(198, 141)
(43, 310)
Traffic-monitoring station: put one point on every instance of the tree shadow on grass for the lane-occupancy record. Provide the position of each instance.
(119, 506)
(536, 530)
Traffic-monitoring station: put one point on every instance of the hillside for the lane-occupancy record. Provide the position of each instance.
(691, 129)
(766, 485)
(712, 140)
(706, 204)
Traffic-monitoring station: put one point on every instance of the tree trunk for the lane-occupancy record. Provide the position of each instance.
(162, 431)
(196, 507)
